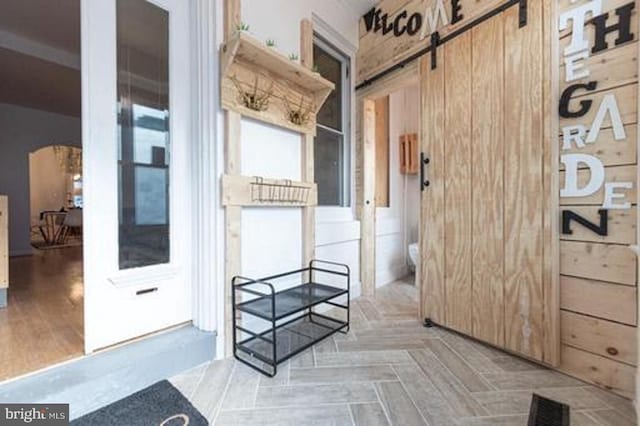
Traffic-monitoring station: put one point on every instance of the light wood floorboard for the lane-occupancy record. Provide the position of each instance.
(390, 370)
(42, 324)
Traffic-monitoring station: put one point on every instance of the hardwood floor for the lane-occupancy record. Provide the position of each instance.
(43, 322)
(390, 370)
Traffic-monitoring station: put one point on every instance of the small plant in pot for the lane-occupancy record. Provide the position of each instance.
(252, 96)
(242, 28)
(294, 57)
(299, 114)
(315, 69)
(270, 43)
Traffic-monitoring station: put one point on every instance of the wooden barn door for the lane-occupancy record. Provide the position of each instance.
(483, 213)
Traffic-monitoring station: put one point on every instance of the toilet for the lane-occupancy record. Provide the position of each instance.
(414, 256)
(414, 251)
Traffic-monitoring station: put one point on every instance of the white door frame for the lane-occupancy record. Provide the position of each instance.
(408, 76)
(99, 93)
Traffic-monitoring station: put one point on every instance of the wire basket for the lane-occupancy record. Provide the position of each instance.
(283, 192)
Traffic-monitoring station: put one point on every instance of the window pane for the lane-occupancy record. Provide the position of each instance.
(329, 167)
(143, 117)
(330, 115)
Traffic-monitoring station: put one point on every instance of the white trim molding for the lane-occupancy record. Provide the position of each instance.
(329, 34)
(204, 161)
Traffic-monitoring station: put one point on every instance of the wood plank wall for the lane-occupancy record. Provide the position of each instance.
(489, 148)
(233, 214)
(365, 166)
(308, 153)
(598, 280)
(475, 116)
(457, 195)
(594, 313)
(382, 151)
(494, 205)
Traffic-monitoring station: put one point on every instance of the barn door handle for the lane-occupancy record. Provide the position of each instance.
(424, 160)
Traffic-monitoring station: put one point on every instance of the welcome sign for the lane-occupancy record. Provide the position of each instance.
(396, 29)
(434, 16)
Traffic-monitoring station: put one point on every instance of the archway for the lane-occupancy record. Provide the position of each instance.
(55, 195)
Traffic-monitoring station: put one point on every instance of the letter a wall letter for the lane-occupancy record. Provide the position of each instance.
(608, 105)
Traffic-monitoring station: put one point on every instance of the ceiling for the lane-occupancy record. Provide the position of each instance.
(54, 23)
(39, 82)
(361, 6)
(26, 78)
(35, 83)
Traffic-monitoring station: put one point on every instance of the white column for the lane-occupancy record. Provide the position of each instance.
(204, 164)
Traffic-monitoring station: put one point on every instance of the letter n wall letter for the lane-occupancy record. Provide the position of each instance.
(602, 229)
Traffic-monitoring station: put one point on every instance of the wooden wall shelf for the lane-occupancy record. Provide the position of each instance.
(252, 191)
(249, 62)
(409, 153)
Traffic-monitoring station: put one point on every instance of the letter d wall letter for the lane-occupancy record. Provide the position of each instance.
(596, 180)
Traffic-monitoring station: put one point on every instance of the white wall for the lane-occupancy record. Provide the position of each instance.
(397, 225)
(272, 238)
(22, 131)
(280, 20)
(412, 206)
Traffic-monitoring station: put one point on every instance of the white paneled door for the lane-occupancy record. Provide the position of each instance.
(137, 134)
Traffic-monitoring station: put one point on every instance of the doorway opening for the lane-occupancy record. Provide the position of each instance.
(389, 194)
(41, 317)
(397, 185)
(55, 192)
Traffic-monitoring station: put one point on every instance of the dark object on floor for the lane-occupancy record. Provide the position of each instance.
(547, 412)
(158, 404)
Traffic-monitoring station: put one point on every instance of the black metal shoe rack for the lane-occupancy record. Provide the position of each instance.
(287, 319)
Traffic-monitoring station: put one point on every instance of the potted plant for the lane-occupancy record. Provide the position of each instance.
(242, 28)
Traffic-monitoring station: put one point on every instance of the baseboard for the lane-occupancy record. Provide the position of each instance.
(94, 381)
(21, 252)
(356, 290)
(390, 275)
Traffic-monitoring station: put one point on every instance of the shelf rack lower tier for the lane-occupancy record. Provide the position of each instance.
(292, 338)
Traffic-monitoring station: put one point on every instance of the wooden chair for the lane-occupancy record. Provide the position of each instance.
(51, 227)
(72, 224)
